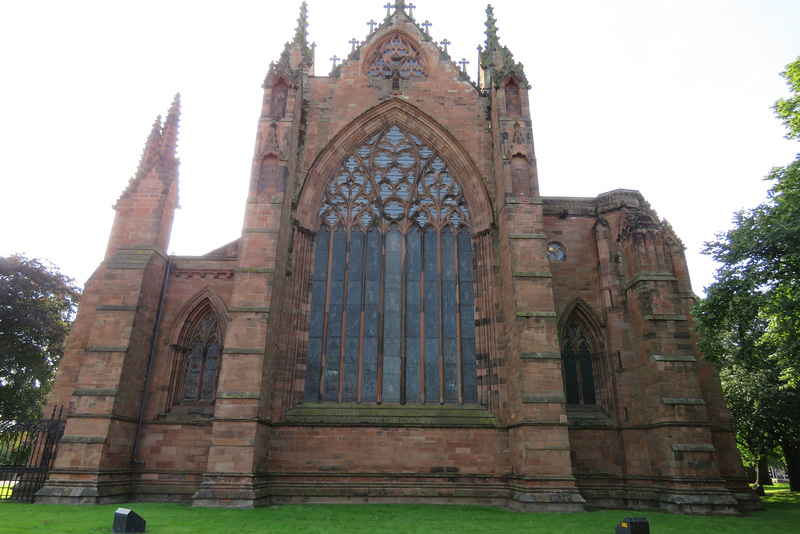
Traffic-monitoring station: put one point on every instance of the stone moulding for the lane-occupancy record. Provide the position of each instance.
(673, 358)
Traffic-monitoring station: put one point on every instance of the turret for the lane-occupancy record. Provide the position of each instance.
(146, 208)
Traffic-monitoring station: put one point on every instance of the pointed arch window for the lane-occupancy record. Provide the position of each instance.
(196, 359)
(392, 305)
(396, 56)
(576, 354)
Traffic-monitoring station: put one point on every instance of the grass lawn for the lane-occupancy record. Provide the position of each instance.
(782, 516)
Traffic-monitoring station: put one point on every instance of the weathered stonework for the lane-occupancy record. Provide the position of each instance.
(200, 395)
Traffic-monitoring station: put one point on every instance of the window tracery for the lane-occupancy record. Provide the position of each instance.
(576, 354)
(197, 360)
(397, 56)
(392, 306)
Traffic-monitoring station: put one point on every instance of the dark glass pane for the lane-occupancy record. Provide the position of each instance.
(373, 255)
(570, 375)
(413, 315)
(369, 372)
(469, 373)
(350, 371)
(391, 370)
(321, 244)
(450, 360)
(339, 255)
(448, 255)
(587, 376)
(464, 255)
(210, 371)
(192, 387)
(313, 369)
(332, 356)
(432, 370)
(431, 303)
(392, 309)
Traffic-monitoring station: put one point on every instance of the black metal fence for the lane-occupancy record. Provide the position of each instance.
(27, 451)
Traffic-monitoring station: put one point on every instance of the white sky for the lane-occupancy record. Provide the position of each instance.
(668, 97)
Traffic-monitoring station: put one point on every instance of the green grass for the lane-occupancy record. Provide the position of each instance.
(782, 516)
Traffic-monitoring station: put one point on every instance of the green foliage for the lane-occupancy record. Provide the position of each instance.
(37, 304)
(788, 109)
(749, 322)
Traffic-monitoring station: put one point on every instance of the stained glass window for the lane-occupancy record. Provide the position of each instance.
(392, 306)
(396, 56)
(576, 357)
(204, 353)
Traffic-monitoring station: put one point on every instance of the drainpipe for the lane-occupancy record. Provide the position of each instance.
(134, 460)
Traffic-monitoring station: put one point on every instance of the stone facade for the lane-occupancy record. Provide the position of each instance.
(568, 379)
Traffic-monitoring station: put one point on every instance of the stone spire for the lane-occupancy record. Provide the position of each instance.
(301, 32)
(497, 61)
(169, 134)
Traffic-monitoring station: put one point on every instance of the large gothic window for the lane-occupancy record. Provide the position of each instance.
(392, 307)
(576, 357)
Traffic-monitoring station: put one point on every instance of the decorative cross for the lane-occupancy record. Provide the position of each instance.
(445, 43)
(388, 7)
(411, 7)
(335, 58)
(427, 24)
(353, 42)
(463, 64)
(371, 25)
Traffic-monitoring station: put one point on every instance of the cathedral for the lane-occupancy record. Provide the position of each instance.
(404, 317)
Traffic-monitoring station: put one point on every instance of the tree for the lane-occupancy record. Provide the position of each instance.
(37, 304)
(749, 322)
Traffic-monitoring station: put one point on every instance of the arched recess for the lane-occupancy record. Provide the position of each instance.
(585, 367)
(351, 360)
(196, 349)
(396, 55)
(274, 105)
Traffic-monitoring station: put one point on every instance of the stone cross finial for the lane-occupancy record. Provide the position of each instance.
(353, 42)
(371, 25)
(427, 24)
(388, 7)
(335, 58)
(444, 44)
(411, 7)
(463, 64)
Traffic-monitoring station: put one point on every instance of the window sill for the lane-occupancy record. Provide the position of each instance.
(393, 415)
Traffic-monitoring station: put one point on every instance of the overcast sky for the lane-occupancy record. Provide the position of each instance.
(668, 97)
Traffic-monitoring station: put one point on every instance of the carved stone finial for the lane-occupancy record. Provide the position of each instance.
(353, 42)
(427, 24)
(444, 44)
(463, 64)
(388, 7)
(301, 33)
(411, 7)
(335, 58)
(371, 25)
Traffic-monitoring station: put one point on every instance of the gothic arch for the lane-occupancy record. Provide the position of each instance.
(195, 349)
(359, 131)
(457, 355)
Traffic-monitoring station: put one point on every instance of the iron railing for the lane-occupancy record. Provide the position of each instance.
(27, 452)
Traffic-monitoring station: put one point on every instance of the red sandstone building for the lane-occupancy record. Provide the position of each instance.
(403, 318)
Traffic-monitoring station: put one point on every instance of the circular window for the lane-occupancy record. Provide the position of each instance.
(556, 252)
